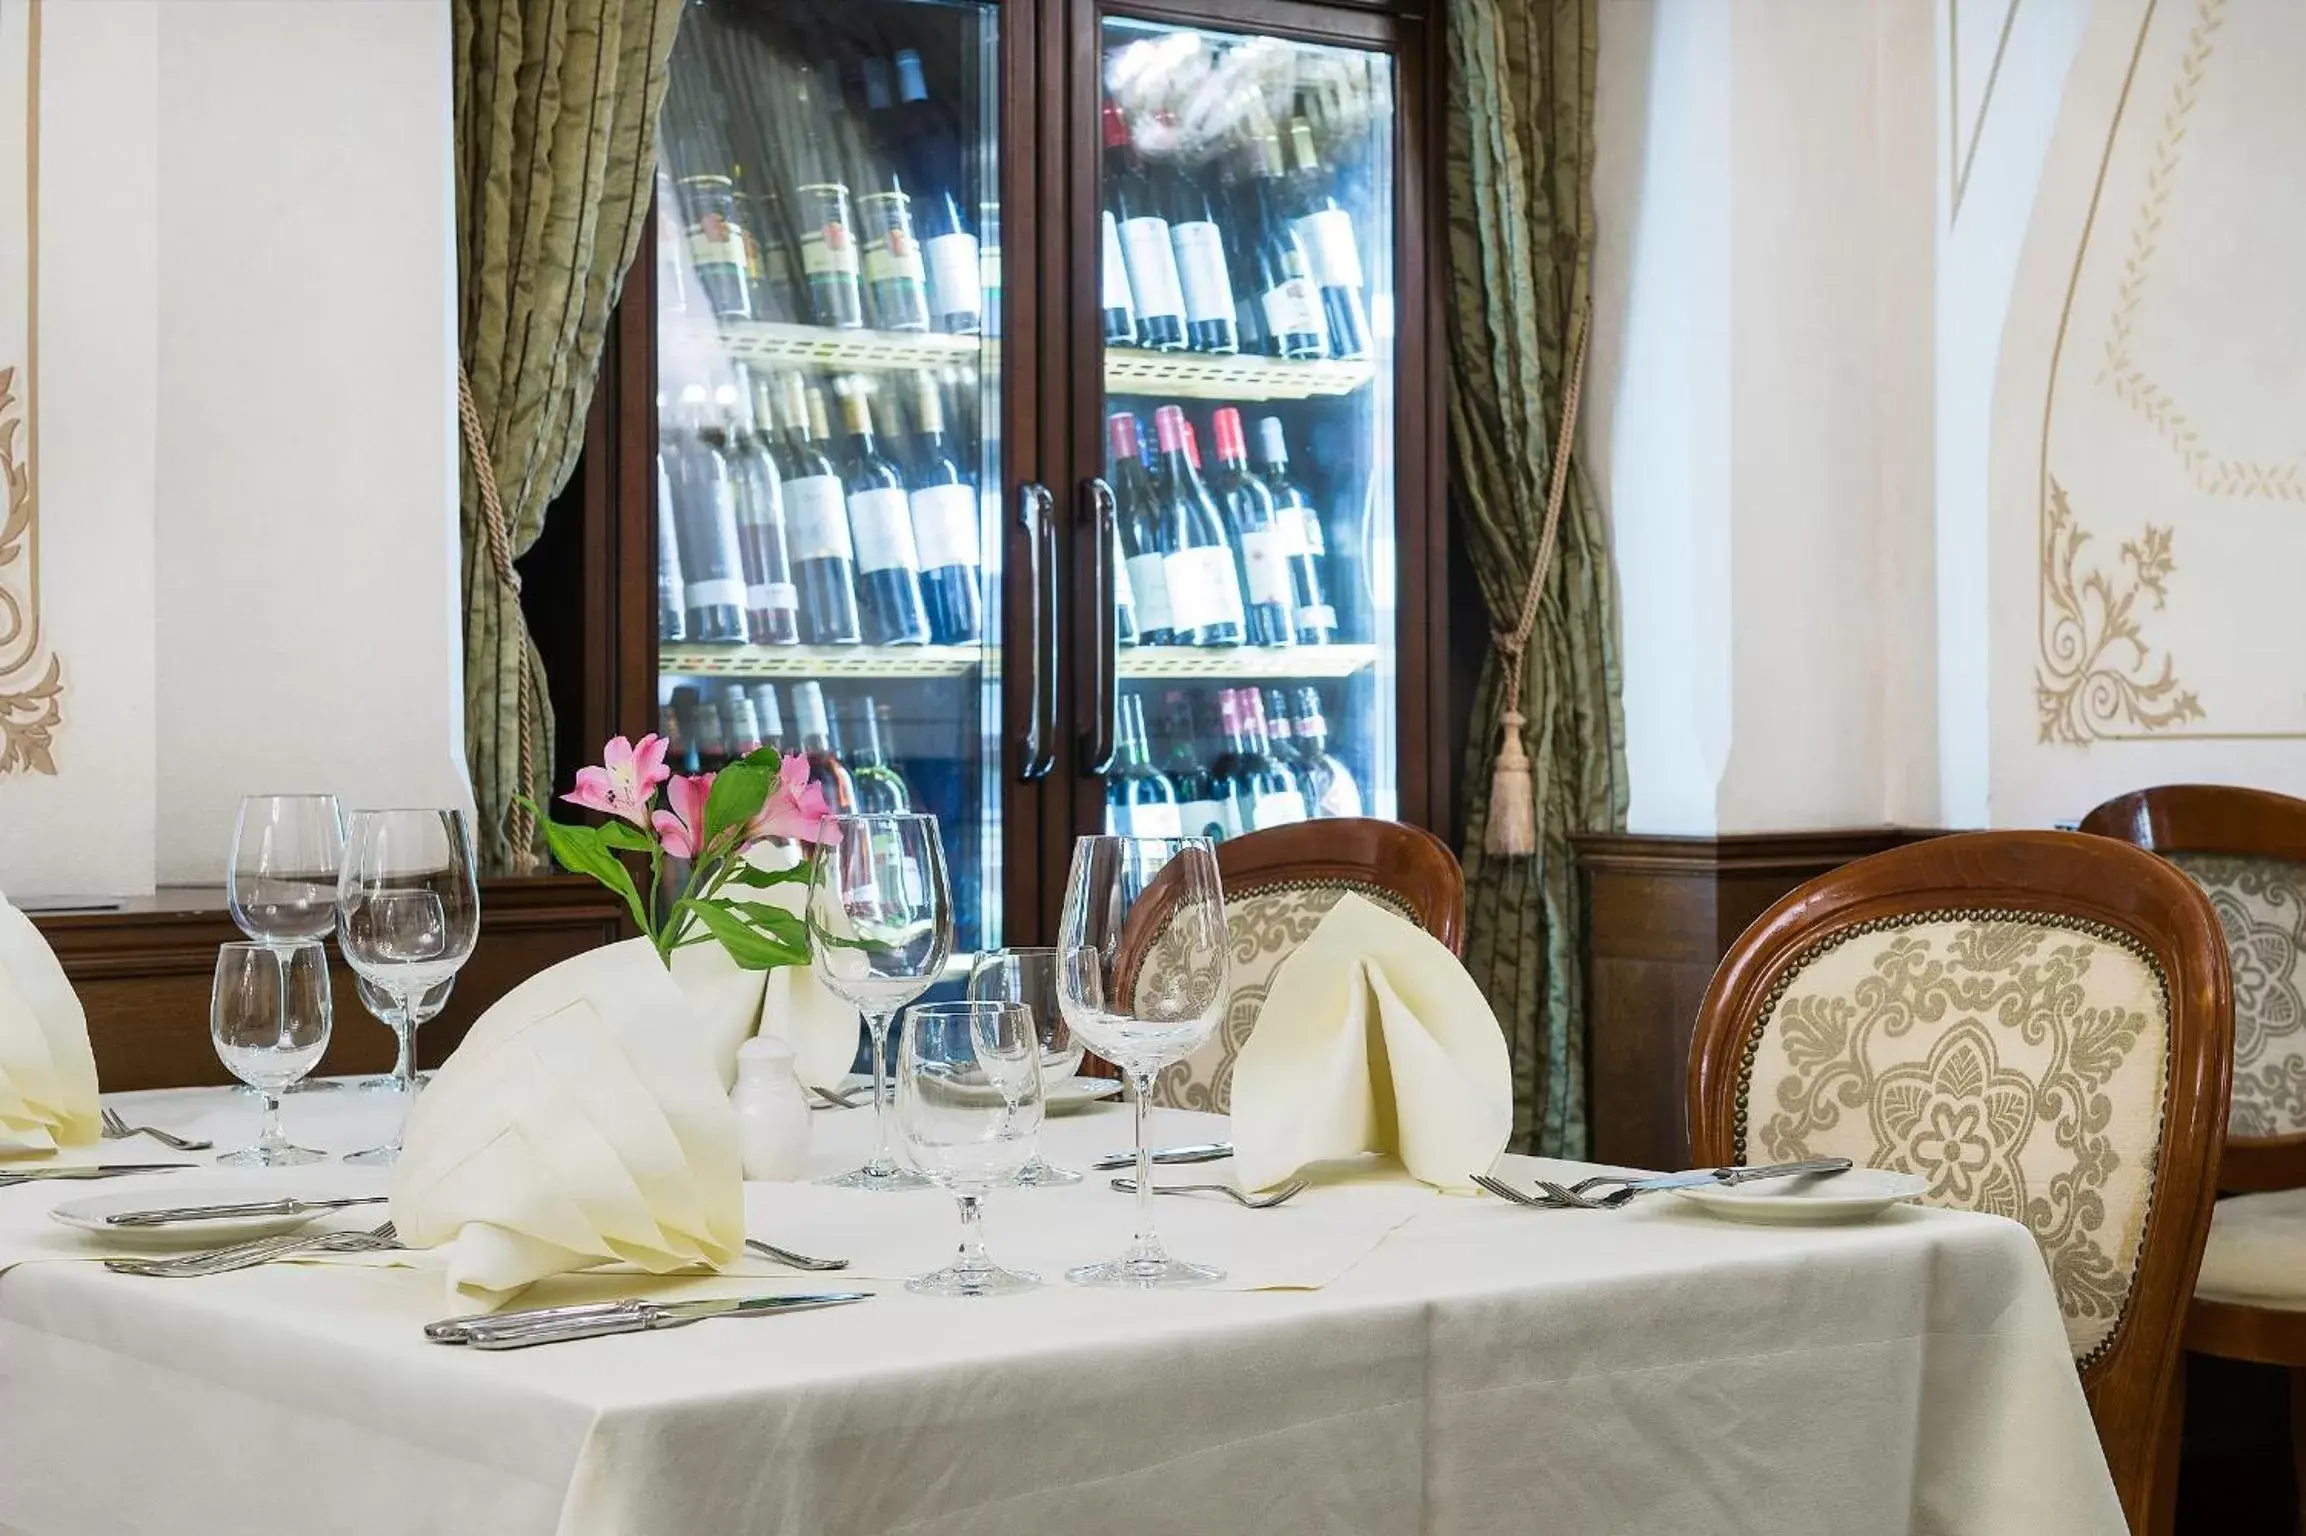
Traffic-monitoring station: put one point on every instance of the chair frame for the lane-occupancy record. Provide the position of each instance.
(2062, 875)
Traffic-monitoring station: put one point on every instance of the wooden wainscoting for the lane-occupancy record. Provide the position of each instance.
(143, 974)
(1661, 912)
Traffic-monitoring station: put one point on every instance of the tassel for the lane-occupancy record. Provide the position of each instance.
(1512, 798)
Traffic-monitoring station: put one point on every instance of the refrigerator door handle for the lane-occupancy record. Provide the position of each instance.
(1098, 509)
(1036, 747)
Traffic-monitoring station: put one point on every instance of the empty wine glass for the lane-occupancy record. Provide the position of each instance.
(269, 1016)
(407, 914)
(286, 852)
(1029, 976)
(969, 1104)
(1143, 965)
(427, 1008)
(880, 927)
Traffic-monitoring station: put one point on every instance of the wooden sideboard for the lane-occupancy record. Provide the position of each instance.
(1660, 914)
(143, 973)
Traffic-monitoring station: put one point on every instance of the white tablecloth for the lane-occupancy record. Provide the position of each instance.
(1479, 1368)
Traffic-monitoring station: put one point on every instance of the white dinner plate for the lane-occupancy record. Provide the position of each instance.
(88, 1215)
(1073, 1094)
(1858, 1195)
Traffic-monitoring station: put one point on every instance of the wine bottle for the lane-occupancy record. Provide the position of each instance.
(672, 253)
(672, 623)
(1201, 801)
(1281, 744)
(944, 503)
(1339, 795)
(1124, 593)
(1302, 541)
(716, 244)
(705, 508)
(891, 759)
(769, 275)
(712, 737)
(816, 521)
(1154, 285)
(826, 770)
(1325, 229)
(1139, 799)
(681, 741)
(878, 787)
(989, 262)
(737, 717)
(1287, 298)
(895, 274)
(1257, 533)
(829, 262)
(1196, 563)
(1239, 225)
(1113, 287)
(881, 523)
(954, 259)
(772, 602)
(1264, 793)
(1139, 524)
(769, 717)
(1199, 244)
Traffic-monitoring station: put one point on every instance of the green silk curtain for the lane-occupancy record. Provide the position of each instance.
(556, 111)
(1520, 160)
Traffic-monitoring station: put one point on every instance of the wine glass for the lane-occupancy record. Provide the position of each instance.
(269, 1016)
(379, 1003)
(1029, 976)
(880, 926)
(286, 851)
(969, 1104)
(407, 913)
(1143, 964)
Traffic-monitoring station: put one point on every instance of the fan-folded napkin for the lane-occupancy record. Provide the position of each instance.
(730, 1005)
(47, 1074)
(1372, 1038)
(580, 1123)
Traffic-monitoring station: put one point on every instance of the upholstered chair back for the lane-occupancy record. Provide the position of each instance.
(2039, 1024)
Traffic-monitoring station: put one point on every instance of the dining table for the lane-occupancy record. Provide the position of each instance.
(1383, 1358)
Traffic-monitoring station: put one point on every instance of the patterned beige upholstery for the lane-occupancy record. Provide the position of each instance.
(1266, 925)
(2016, 1061)
(2261, 903)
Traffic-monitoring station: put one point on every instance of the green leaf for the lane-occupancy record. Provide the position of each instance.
(737, 797)
(762, 757)
(775, 921)
(626, 837)
(742, 873)
(583, 851)
(751, 949)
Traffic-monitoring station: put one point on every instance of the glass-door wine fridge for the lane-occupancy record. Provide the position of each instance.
(1044, 419)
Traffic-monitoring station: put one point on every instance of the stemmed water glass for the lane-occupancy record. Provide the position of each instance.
(1029, 976)
(880, 927)
(407, 913)
(280, 878)
(425, 1010)
(1143, 966)
(269, 1016)
(969, 1104)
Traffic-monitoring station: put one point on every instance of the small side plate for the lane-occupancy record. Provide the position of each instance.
(1813, 1199)
(88, 1215)
(1074, 1094)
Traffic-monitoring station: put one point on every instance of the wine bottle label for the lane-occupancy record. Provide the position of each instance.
(1201, 270)
(1203, 589)
(1148, 818)
(1316, 616)
(716, 246)
(816, 520)
(1113, 274)
(945, 526)
(882, 522)
(772, 595)
(716, 594)
(829, 248)
(1293, 308)
(1289, 524)
(1203, 818)
(953, 275)
(894, 258)
(1151, 586)
(989, 272)
(1152, 269)
(1328, 240)
(1268, 565)
(1276, 810)
(1124, 590)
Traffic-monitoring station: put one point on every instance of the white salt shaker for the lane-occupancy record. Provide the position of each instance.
(772, 1112)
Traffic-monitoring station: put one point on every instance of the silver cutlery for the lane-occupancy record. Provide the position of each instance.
(264, 1250)
(1207, 1152)
(796, 1260)
(518, 1330)
(117, 1128)
(290, 1207)
(1264, 1202)
(86, 1171)
(1587, 1194)
(846, 1098)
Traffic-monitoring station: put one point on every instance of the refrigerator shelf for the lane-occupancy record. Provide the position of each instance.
(801, 662)
(1171, 375)
(1246, 661)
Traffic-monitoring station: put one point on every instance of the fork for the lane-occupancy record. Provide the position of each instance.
(796, 1260)
(1552, 1198)
(846, 1098)
(264, 1250)
(118, 1129)
(1254, 1202)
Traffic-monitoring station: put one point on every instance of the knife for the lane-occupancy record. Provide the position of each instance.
(1208, 1152)
(161, 1218)
(519, 1331)
(1698, 1176)
(85, 1171)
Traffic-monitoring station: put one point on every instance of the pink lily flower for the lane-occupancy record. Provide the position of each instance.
(795, 808)
(625, 781)
(680, 827)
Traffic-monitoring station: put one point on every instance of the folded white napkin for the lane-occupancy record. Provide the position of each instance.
(730, 1005)
(1372, 1039)
(578, 1124)
(47, 1073)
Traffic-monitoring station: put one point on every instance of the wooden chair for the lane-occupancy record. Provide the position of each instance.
(2247, 848)
(1279, 884)
(2041, 1024)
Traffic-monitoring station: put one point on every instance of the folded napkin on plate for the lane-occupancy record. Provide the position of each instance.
(1372, 1039)
(578, 1124)
(731, 1005)
(47, 1075)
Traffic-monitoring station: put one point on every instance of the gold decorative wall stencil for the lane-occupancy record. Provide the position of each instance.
(2094, 675)
(31, 676)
